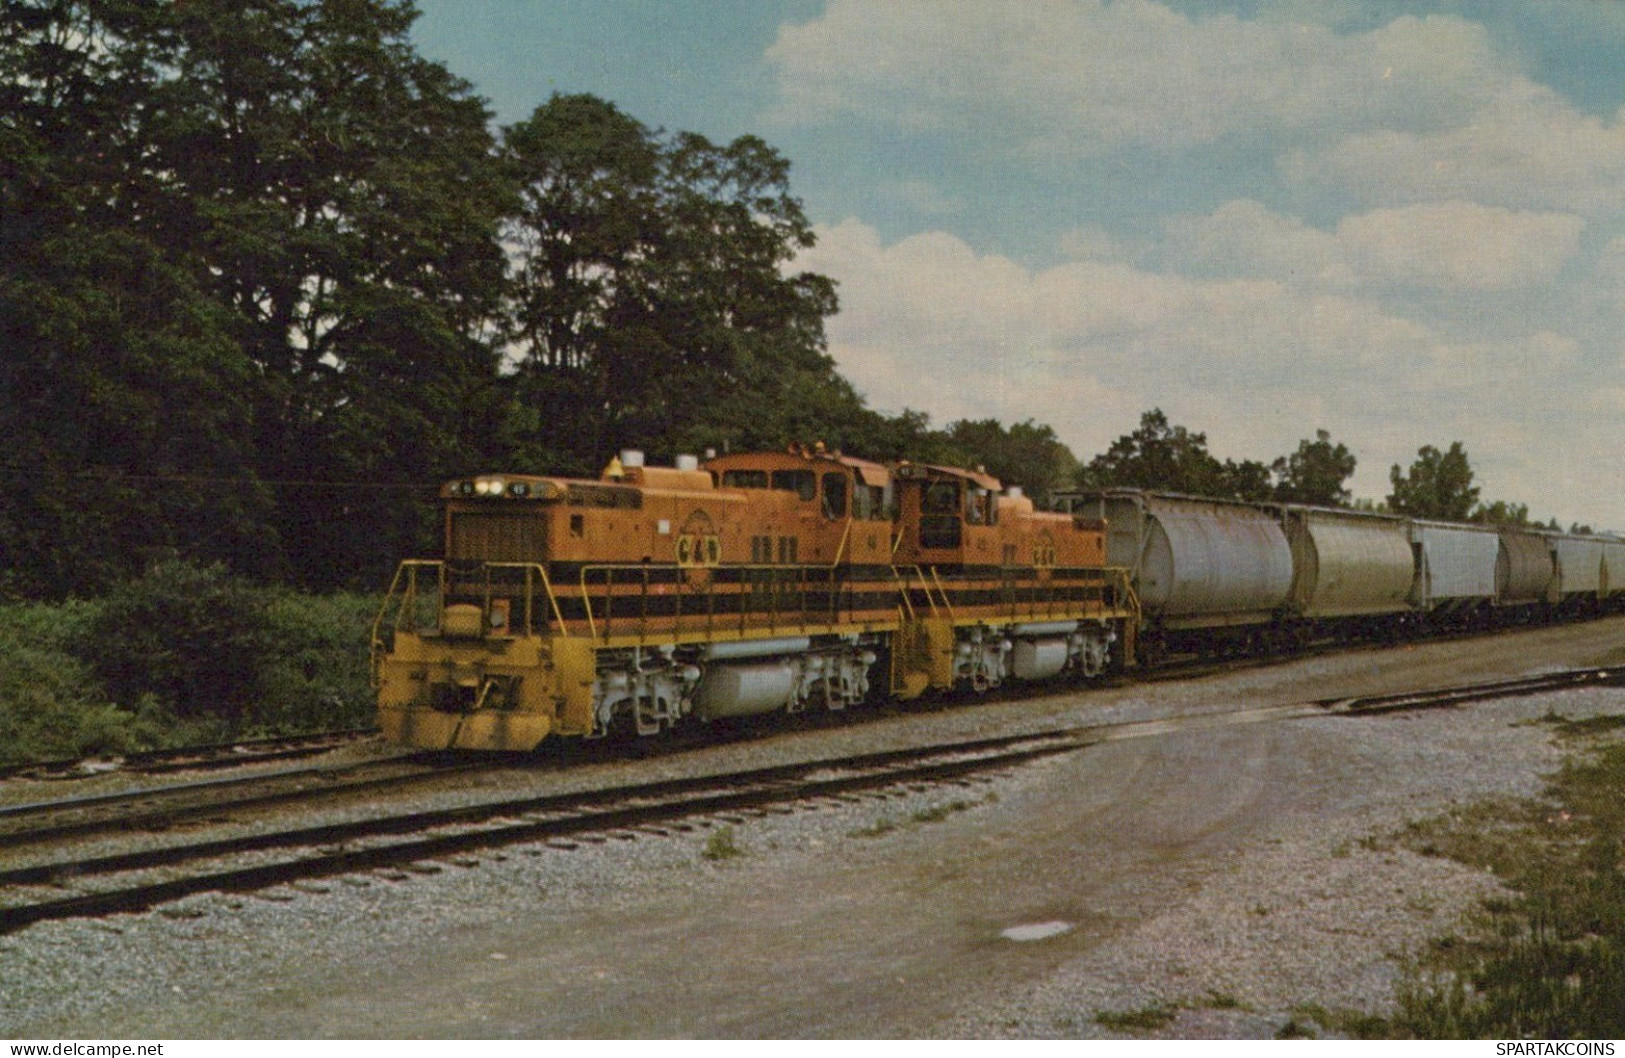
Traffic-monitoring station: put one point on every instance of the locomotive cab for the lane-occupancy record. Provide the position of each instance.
(948, 518)
(810, 506)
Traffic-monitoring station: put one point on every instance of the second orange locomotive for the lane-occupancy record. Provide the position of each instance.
(754, 584)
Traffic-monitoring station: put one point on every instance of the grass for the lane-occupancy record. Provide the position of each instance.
(1587, 727)
(937, 813)
(934, 814)
(1548, 960)
(1349, 1023)
(721, 846)
(1146, 1019)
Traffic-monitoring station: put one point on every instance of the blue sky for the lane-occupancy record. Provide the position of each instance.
(1400, 222)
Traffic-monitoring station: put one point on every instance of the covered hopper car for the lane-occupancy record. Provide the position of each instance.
(1216, 576)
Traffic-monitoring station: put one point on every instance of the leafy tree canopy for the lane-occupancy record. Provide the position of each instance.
(650, 289)
(1025, 454)
(1171, 458)
(1502, 513)
(1438, 485)
(1316, 473)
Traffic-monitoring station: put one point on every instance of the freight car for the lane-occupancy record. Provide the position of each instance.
(1207, 573)
(760, 583)
(1210, 577)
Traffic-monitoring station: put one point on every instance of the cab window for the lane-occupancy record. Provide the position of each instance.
(940, 497)
(744, 479)
(869, 503)
(835, 496)
(981, 507)
(804, 483)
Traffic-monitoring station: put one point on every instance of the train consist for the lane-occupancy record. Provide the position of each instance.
(1215, 575)
(778, 582)
(760, 583)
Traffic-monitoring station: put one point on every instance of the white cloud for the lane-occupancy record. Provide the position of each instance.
(1455, 280)
(1460, 245)
(1415, 110)
(1064, 77)
(1086, 346)
(1243, 238)
(1448, 247)
(1524, 148)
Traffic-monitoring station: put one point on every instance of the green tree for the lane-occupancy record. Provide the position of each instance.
(344, 200)
(1160, 456)
(1438, 485)
(122, 390)
(1315, 473)
(1502, 513)
(242, 242)
(1246, 480)
(1025, 454)
(650, 301)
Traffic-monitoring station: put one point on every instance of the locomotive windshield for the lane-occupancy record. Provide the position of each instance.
(804, 483)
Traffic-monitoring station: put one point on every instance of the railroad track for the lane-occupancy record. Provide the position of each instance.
(190, 758)
(162, 807)
(1565, 679)
(135, 881)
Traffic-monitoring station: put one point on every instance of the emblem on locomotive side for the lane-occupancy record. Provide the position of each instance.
(698, 543)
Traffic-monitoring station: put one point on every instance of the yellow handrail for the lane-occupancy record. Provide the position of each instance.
(840, 551)
(946, 605)
(558, 614)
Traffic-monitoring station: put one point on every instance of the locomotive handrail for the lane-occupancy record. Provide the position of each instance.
(840, 550)
(946, 605)
(902, 594)
(408, 569)
(552, 599)
(925, 586)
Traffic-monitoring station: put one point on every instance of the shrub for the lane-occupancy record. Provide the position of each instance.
(184, 655)
(51, 705)
(194, 637)
(317, 676)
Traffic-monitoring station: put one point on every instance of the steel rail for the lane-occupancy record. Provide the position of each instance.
(186, 758)
(319, 783)
(558, 816)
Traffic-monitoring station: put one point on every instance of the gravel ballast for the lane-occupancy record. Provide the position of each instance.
(1230, 880)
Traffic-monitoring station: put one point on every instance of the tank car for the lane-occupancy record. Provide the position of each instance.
(1526, 581)
(1207, 572)
(1613, 557)
(1348, 566)
(758, 583)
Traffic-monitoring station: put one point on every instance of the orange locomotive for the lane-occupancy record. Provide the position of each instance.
(758, 583)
